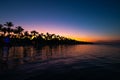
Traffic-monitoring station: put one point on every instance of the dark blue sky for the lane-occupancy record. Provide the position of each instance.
(84, 19)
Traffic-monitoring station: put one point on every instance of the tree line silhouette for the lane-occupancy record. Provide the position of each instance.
(11, 35)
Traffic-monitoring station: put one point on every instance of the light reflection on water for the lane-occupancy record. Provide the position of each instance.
(99, 55)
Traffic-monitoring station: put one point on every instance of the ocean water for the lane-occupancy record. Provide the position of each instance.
(60, 62)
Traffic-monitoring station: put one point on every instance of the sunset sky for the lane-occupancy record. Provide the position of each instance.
(88, 20)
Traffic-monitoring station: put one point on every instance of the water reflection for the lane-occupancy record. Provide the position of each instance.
(4, 58)
(16, 55)
(11, 57)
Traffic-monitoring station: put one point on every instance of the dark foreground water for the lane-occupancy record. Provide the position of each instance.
(62, 62)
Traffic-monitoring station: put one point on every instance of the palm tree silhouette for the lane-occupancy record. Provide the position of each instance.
(26, 33)
(19, 29)
(9, 25)
(1, 26)
(34, 33)
(4, 29)
(20, 37)
(42, 35)
(49, 36)
(52, 36)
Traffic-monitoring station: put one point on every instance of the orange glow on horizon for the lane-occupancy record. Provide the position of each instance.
(70, 33)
